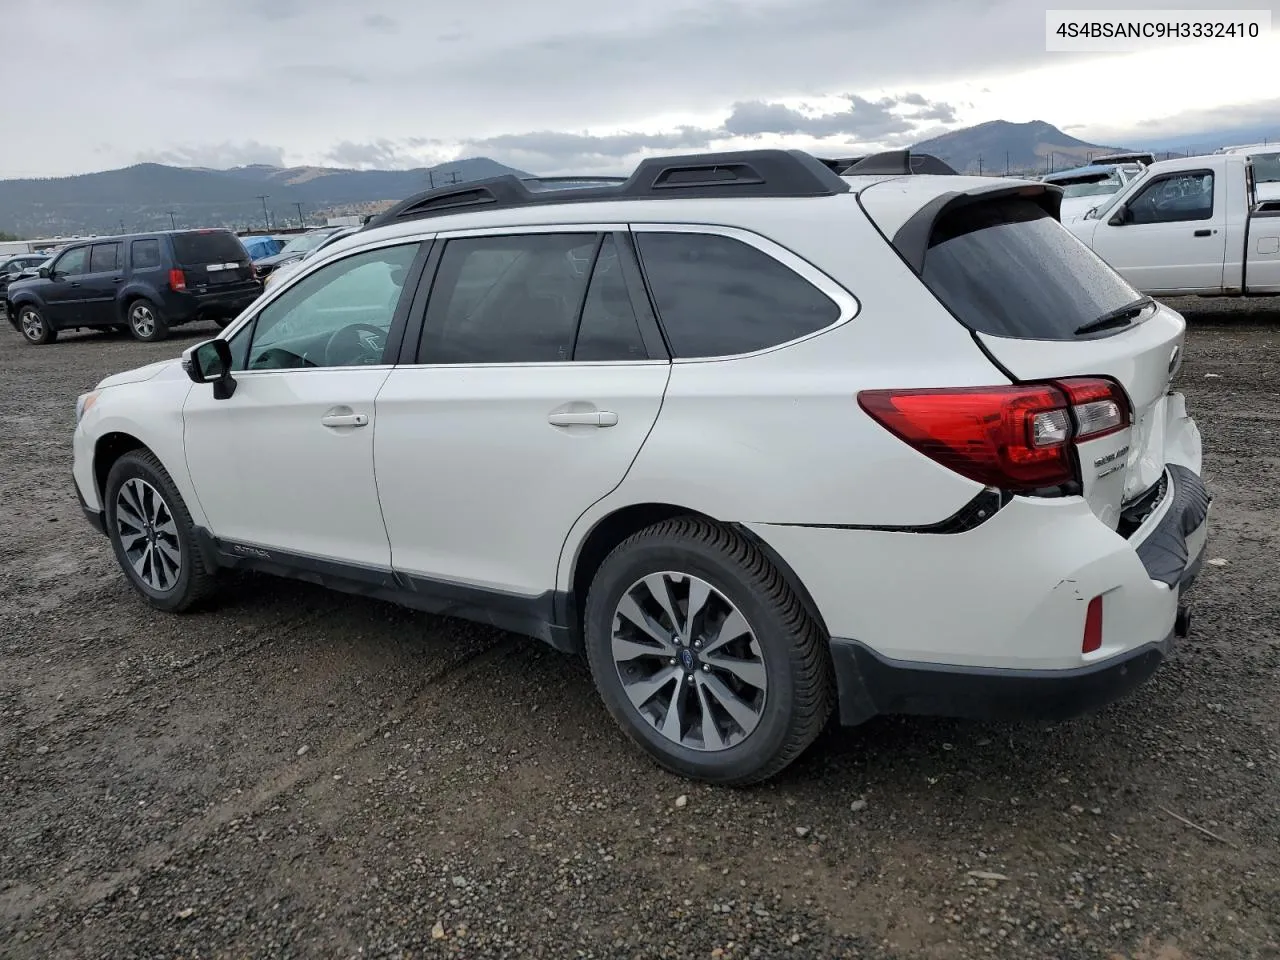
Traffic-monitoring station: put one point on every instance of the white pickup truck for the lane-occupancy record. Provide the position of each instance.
(1190, 226)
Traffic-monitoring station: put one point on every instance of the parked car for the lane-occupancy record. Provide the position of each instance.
(1190, 226)
(16, 265)
(1265, 158)
(260, 246)
(754, 474)
(1084, 187)
(1143, 158)
(144, 283)
(295, 249)
(284, 268)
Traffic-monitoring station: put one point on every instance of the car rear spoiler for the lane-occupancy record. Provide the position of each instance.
(912, 239)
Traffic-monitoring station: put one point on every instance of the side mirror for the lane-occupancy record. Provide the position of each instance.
(46, 273)
(1120, 217)
(210, 362)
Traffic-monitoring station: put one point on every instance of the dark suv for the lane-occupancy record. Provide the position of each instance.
(144, 283)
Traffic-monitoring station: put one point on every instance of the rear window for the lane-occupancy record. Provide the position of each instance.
(214, 246)
(146, 253)
(1266, 167)
(1009, 269)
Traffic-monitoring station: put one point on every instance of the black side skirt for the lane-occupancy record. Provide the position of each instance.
(531, 616)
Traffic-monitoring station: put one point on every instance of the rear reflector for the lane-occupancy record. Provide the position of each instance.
(1092, 627)
(177, 280)
(1018, 438)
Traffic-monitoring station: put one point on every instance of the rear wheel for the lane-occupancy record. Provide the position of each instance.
(34, 326)
(146, 322)
(222, 322)
(152, 534)
(704, 655)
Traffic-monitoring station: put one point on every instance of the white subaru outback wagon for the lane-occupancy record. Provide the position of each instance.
(764, 436)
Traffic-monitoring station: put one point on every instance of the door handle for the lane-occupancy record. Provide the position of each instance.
(1202, 233)
(586, 418)
(345, 419)
(117, 279)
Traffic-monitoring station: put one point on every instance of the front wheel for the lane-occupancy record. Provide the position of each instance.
(152, 534)
(704, 655)
(34, 326)
(146, 323)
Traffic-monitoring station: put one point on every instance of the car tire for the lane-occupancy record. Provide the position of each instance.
(153, 536)
(34, 326)
(223, 322)
(759, 696)
(145, 322)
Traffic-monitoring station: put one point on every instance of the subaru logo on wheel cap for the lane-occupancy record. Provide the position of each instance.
(686, 658)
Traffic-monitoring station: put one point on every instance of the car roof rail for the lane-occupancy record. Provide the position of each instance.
(742, 173)
(895, 162)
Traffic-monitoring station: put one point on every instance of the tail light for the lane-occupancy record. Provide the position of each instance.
(1019, 438)
(177, 280)
(1092, 627)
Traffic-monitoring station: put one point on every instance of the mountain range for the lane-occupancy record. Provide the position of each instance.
(151, 196)
(999, 146)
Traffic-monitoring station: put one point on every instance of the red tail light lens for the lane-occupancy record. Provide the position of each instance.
(1092, 627)
(177, 280)
(1017, 438)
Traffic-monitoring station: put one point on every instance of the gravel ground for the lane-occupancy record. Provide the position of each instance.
(300, 773)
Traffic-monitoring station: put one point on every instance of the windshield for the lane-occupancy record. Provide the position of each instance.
(1098, 188)
(1104, 209)
(305, 243)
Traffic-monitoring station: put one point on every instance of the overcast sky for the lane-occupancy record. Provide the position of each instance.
(576, 85)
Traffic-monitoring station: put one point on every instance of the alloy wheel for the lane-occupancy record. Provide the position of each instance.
(689, 661)
(148, 535)
(143, 320)
(32, 325)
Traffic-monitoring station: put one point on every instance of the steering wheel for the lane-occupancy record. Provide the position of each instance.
(356, 343)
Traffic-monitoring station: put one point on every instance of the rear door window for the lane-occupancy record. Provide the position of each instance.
(608, 330)
(104, 257)
(208, 246)
(1009, 269)
(717, 296)
(508, 299)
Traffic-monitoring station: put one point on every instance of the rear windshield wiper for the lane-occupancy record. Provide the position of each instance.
(1118, 317)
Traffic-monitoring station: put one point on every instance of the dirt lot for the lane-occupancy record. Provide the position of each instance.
(299, 773)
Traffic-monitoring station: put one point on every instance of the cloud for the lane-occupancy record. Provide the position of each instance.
(377, 154)
(862, 119)
(279, 9)
(320, 77)
(1198, 130)
(216, 155)
(553, 152)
